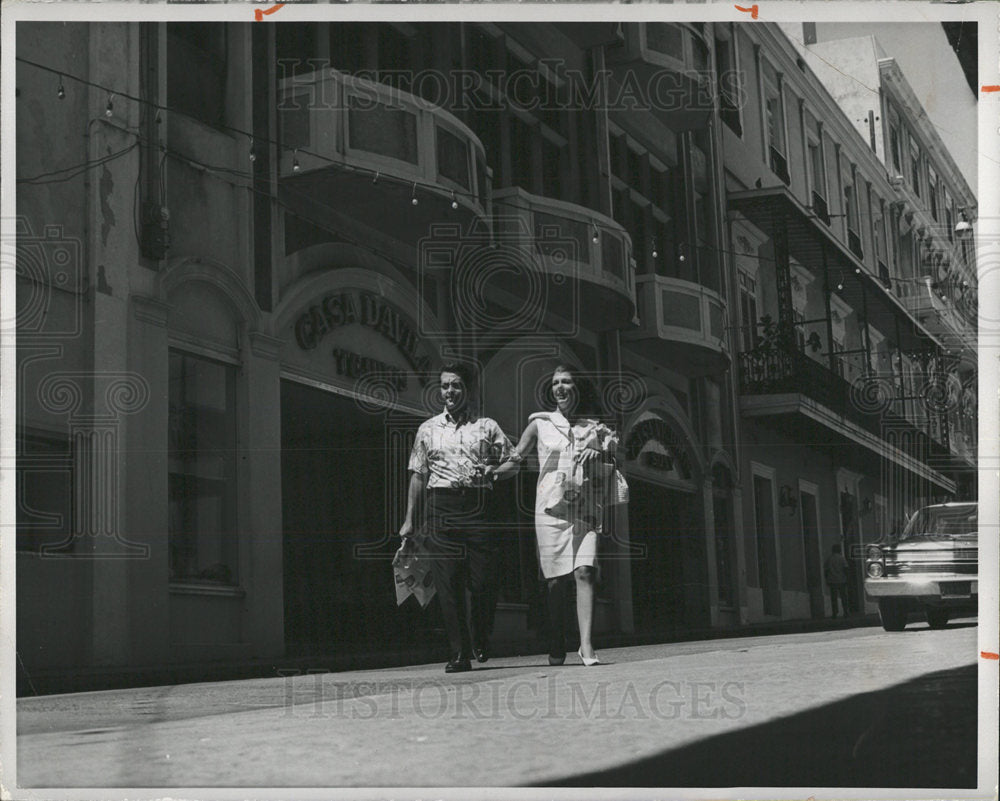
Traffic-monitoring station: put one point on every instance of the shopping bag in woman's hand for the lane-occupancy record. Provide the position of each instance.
(567, 493)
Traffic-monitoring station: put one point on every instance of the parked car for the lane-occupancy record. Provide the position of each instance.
(932, 567)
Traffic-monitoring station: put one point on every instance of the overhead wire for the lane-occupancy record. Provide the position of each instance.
(77, 170)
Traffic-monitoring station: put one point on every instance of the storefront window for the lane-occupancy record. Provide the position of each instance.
(202, 470)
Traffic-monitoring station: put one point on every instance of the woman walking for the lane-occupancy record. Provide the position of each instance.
(575, 460)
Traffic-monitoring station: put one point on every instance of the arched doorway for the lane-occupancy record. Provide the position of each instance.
(357, 379)
(669, 570)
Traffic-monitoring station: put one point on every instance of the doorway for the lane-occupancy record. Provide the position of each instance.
(342, 470)
(767, 550)
(811, 549)
(666, 592)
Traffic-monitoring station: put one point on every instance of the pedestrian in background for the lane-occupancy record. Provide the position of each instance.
(451, 466)
(575, 451)
(835, 571)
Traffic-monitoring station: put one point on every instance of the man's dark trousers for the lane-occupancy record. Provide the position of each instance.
(463, 549)
(838, 591)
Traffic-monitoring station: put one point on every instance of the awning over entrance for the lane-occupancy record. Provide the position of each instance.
(776, 212)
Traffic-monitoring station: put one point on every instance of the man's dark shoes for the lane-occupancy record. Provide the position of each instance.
(481, 652)
(459, 664)
(556, 659)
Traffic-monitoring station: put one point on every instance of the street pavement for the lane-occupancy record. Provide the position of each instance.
(842, 708)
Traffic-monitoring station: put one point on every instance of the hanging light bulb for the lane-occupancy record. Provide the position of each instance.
(60, 92)
(253, 155)
(840, 284)
(857, 271)
(656, 254)
(680, 252)
(295, 161)
(375, 177)
(596, 237)
(454, 200)
(109, 109)
(413, 195)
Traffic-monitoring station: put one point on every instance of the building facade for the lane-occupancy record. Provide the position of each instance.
(262, 242)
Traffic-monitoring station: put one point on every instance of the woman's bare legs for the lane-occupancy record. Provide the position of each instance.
(585, 577)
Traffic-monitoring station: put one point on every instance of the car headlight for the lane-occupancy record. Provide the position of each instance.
(875, 570)
(874, 554)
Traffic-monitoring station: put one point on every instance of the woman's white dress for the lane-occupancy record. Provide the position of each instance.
(566, 533)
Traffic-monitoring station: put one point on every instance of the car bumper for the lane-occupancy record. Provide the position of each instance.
(943, 589)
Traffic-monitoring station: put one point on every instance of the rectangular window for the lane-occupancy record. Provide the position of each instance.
(774, 119)
(800, 330)
(816, 162)
(553, 157)
(296, 45)
(638, 230)
(895, 148)
(932, 190)
(853, 216)
(879, 228)
(394, 49)
(382, 129)
(727, 78)
(915, 166)
(347, 45)
(666, 38)
(748, 311)
(520, 154)
(482, 50)
(202, 470)
(816, 168)
(839, 360)
(196, 70)
(453, 158)
(44, 487)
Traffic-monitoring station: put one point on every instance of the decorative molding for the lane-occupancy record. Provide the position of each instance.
(265, 346)
(194, 588)
(150, 310)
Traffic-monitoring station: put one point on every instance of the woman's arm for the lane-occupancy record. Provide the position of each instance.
(524, 446)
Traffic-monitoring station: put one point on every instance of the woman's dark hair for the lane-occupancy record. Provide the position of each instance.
(463, 371)
(588, 402)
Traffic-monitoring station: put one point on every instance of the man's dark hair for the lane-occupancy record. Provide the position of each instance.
(463, 371)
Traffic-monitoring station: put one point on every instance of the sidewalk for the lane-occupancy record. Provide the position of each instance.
(855, 707)
(66, 681)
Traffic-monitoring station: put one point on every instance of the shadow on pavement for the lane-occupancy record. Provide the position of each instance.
(921, 733)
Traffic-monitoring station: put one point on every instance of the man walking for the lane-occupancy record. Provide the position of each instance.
(451, 475)
(835, 571)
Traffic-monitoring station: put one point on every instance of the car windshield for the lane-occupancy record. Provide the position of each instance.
(942, 521)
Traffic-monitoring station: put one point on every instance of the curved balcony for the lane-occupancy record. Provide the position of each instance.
(356, 153)
(682, 324)
(942, 319)
(565, 259)
(668, 65)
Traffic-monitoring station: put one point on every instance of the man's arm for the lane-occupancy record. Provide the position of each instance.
(524, 447)
(414, 495)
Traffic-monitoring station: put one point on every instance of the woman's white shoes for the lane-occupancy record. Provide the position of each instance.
(588, 661)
